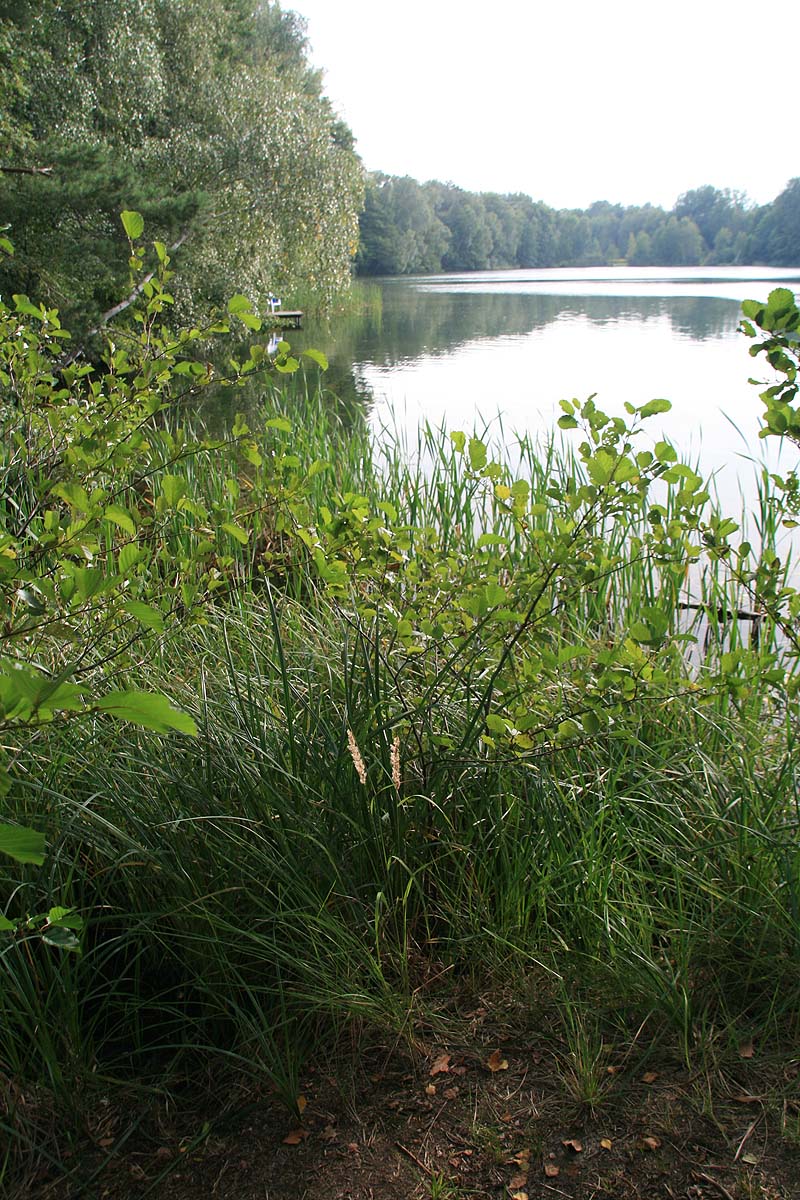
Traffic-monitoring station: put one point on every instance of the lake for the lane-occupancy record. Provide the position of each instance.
(465, 350)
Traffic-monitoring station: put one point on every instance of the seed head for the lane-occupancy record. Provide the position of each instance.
(355, 754)
(395, 759)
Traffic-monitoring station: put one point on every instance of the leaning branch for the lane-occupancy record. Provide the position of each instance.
(26, 170)
(137, 291)
(118, 308)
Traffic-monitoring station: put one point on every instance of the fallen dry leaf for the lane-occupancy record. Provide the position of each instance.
(573, 1144)
(519, 1196)
(295, 1136)
(650, 1077)
(441, 1066)
(743, 1098)
(302, 1104)
(458, 1070)
(606, 1143)
(505, 1118)
(430, 1090)
(496, 1062)
(518, 1181)
(746, 1048)
(523, 1158)
(450, 1093)
(329, 1134)
(651, 1143)
(551, 1170)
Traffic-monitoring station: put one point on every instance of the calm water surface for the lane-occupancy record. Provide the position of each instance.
(462, 350)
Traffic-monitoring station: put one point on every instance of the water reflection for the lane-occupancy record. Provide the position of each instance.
(402, 325)
(450, 349)
(416, 322)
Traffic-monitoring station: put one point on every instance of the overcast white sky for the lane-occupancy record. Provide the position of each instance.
(568, 101)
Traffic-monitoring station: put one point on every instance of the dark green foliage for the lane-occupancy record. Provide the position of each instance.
(400, 232)
(226, 146)
(713, 210)
(678, 243)
(408, 227)
(776, 236)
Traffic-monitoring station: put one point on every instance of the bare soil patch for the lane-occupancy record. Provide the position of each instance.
(487, 1112)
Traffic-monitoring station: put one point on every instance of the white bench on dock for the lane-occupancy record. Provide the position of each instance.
(291, 317)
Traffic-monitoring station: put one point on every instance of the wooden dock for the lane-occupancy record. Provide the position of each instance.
(293, 318)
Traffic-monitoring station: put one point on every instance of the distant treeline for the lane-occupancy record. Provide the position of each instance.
(412, 228)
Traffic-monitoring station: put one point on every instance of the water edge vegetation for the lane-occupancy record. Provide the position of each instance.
(287, 737)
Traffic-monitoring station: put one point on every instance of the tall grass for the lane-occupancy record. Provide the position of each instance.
(248, 895)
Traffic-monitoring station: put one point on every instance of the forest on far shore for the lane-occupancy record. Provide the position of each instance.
(408, 228)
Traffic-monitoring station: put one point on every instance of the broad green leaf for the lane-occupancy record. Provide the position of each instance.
(23, 305)
(752, 309)
(128, 557)
(279, 423)
(147, 709)
(318, 357)
(494, 594)
(568, 729)
(477, 454)
(146, 615)
(133, 223)
(63, 939)
(601, 467)
(120, 516)
(75, 496)
(652, 627)
(24, 845)
(780, 301)
(61, 696)
(250, 320)
(653, 407)
(66, 917)
(236, 531)
(89, 581)
(238, 305)
(591, 723)
(22, 692)
(173, 489)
